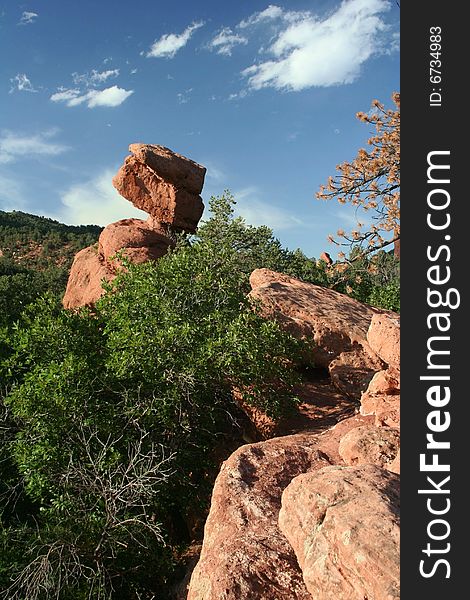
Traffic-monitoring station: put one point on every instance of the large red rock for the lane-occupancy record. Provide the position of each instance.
(370, 444)
(343, 523)
(88, 270)
(385, 407)
(334, 326)
(244, 555)
(164, 184)
(167, 201)
(351, 372)
(138, 242)
(384, 338)
(170, 166)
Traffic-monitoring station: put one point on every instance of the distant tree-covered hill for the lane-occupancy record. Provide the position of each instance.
(35, 257)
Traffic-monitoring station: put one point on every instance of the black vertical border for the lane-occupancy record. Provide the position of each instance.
(424, 129)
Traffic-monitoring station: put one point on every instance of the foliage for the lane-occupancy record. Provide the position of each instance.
(254, 247)
(371, 181)
(112, 418)
(36, 254)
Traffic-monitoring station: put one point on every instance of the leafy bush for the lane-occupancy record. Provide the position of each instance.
(115, 416)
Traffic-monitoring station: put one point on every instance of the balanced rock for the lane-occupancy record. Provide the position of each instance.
(164, 184)
(343, 524)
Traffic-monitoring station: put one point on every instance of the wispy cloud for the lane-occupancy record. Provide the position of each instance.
(27, 18)
(95, 201)
(184, 97)
(258, 212)
(14, 146)
(109, 97)
(11, 194)
(268, 14)
(169, 44)
(225, 40)
(320, 52)
(21, 83)
(94, 78)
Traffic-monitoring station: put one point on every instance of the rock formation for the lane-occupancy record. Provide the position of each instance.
(343, 524)
(245, 556)
(160, 182)
(334, 324)
(315, 515)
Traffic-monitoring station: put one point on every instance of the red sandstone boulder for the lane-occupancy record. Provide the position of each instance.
(385, 407)
(135, 238)
(168, 203)
(343, 523)
(325, 257)
(335, 322)
(164, 184)
(170, 166)
(334, 325)
(384, 338)
(370, 444)
(352, 371)
(244, 555)
(84, 283)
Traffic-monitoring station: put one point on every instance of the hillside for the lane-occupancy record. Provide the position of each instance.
(35, 257)
(38, 242)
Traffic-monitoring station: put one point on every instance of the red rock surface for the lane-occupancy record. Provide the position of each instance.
(384, 338)
(135, 238)
(385, 407)
(343, 523)
(352, 371)
(164, 184)
(325, 257)
(245, 556)
(170, 166)
(164, 194)
(84, 283)
(370, 444)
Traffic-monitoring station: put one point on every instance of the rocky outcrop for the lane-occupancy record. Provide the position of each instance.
(334, 325)
(369, 444)
(164, 184)
(343, 524)
(382, 397)
(337, 532)
(245, 556)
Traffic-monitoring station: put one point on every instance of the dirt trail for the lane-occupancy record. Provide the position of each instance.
(322, 405)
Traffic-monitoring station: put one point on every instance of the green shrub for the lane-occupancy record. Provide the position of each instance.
(116, 414)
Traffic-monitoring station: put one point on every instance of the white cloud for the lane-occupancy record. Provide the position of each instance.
(27, 18)
(110, 97)
(169, 44)
(184, 97)
(225, 41)
(314, 52)
(94, 78)
(258, 212)
(96, 201)
(21, 83)
(268, 14)
(14, 146)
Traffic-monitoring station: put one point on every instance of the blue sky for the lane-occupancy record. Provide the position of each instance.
(263, 95)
